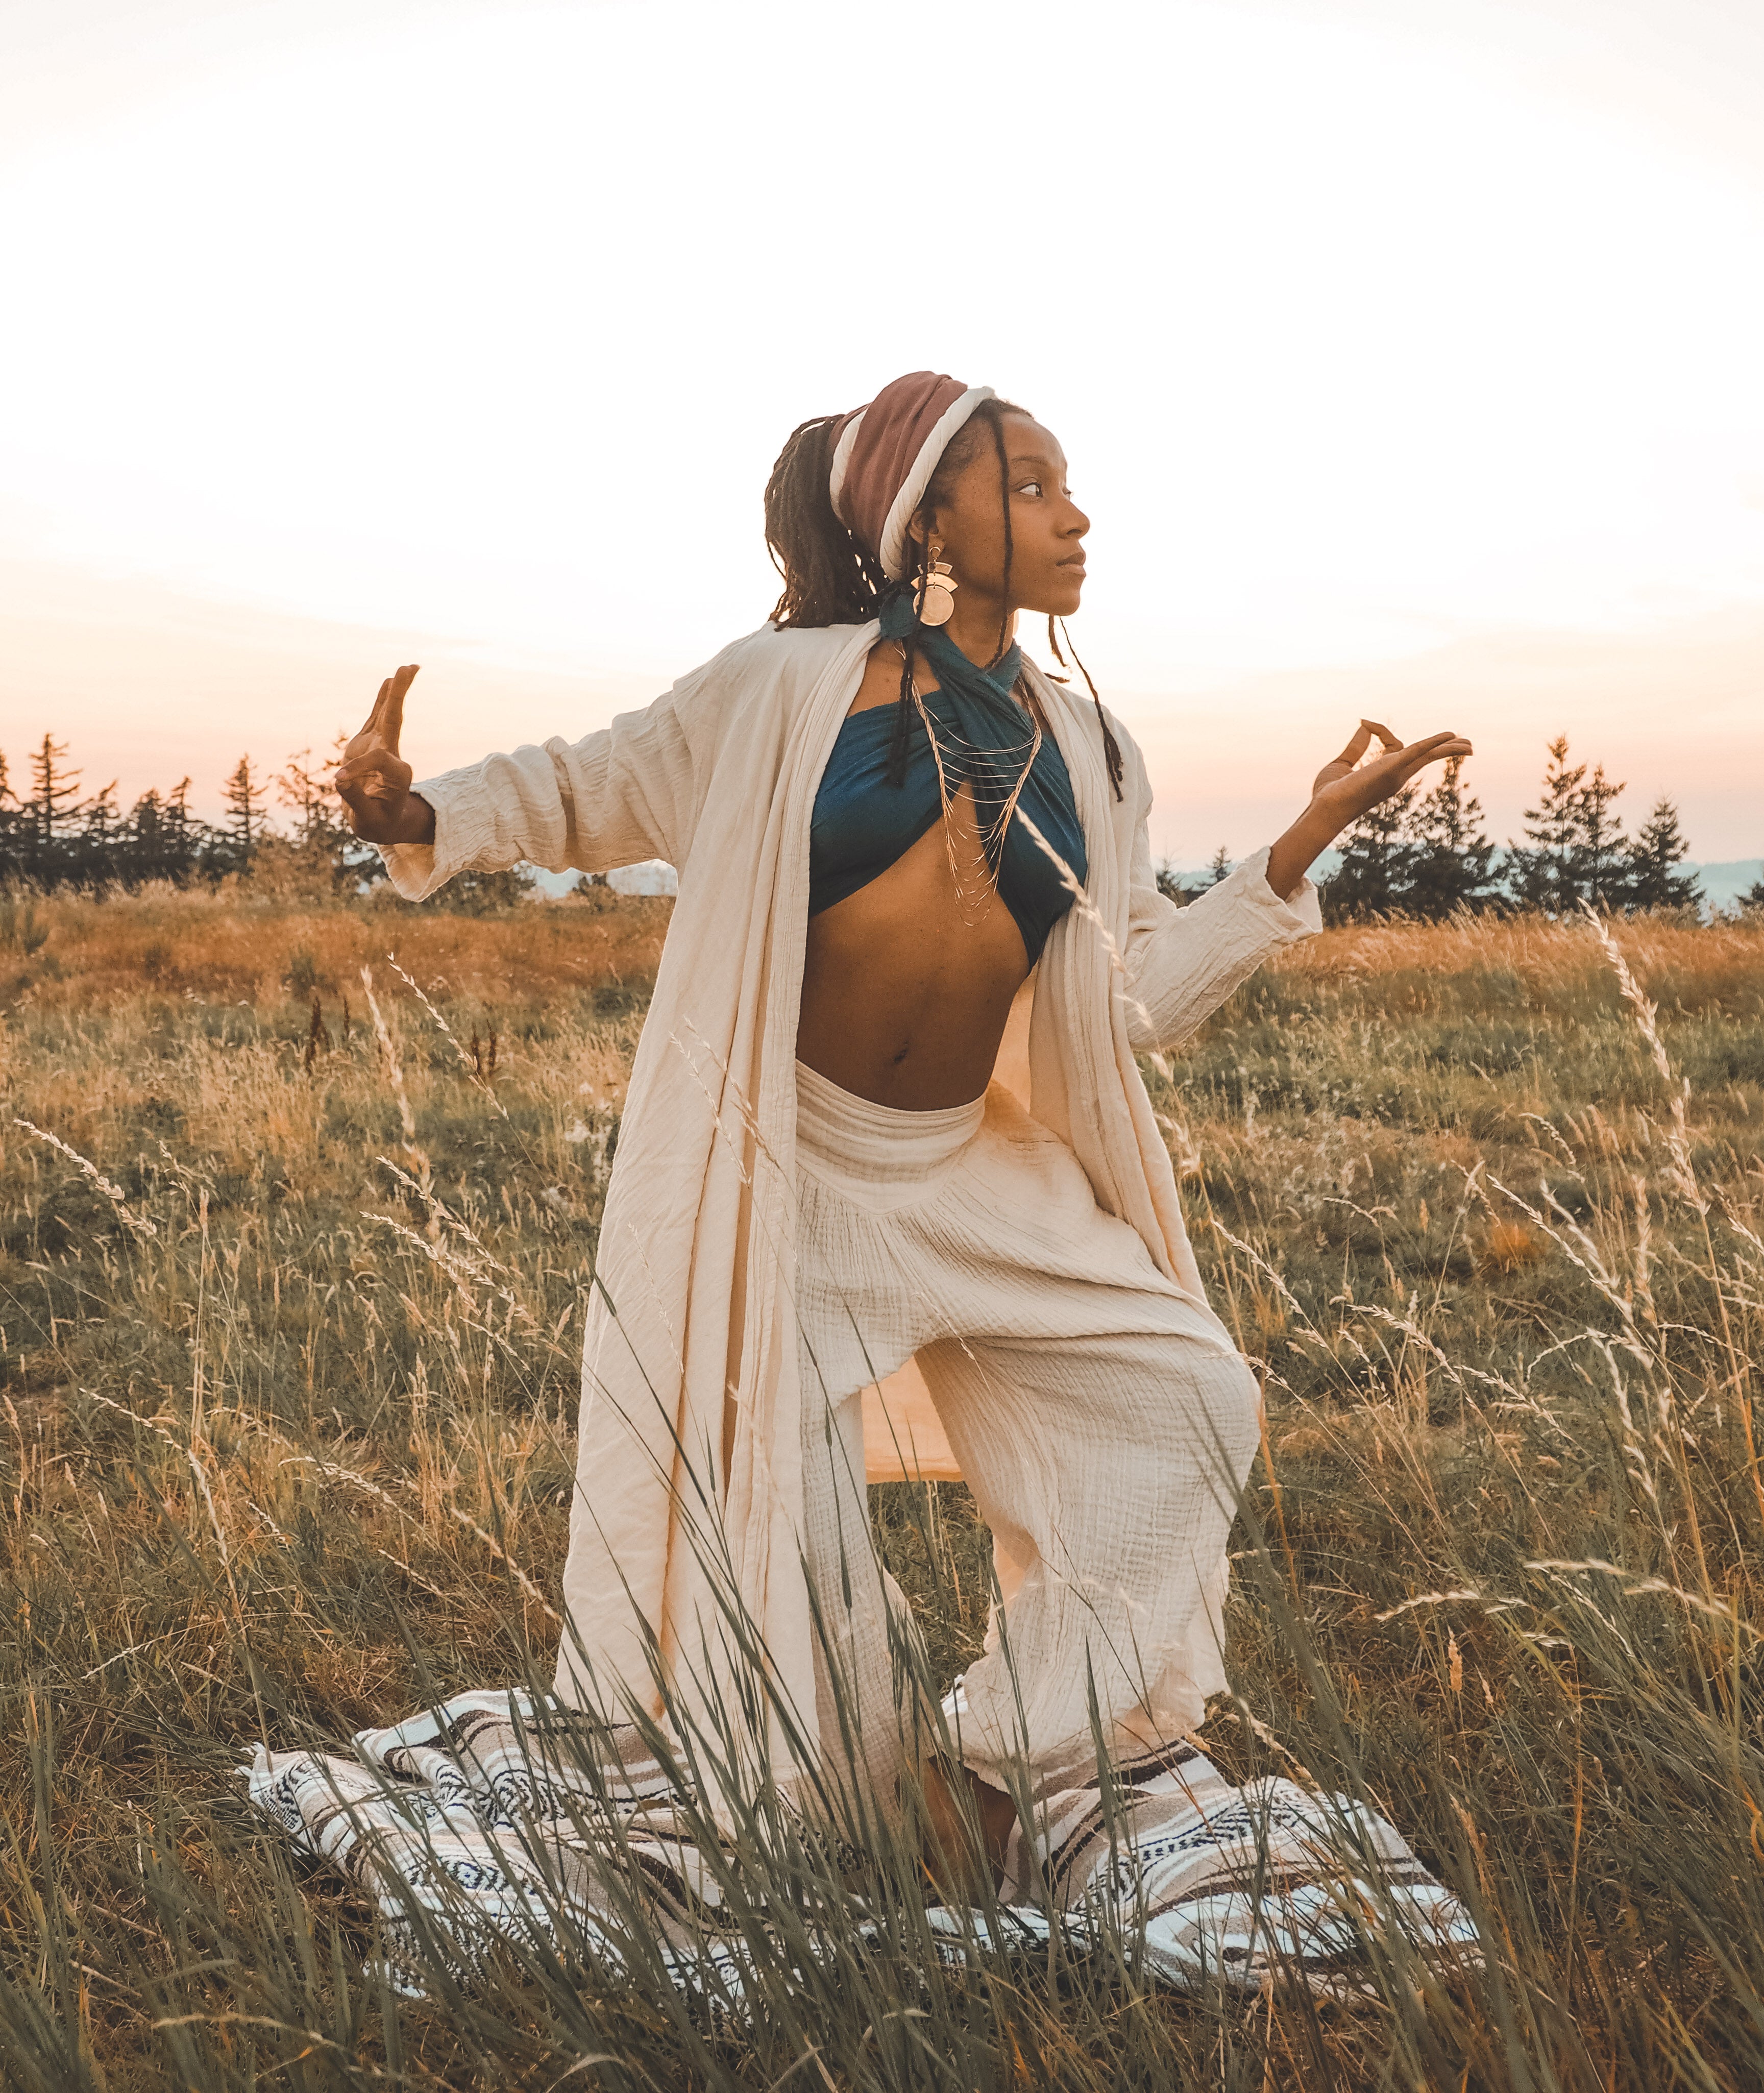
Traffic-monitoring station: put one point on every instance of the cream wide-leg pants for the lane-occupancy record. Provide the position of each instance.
(1102, 1417)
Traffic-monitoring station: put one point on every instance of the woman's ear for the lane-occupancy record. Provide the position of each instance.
(922, 533)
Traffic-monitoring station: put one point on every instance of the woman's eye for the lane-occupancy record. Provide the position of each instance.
(1029, 487)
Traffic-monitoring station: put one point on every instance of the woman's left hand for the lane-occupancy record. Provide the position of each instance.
(1346, 788)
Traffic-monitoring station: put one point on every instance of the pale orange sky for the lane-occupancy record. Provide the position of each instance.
(1406, 358)
(206, 680)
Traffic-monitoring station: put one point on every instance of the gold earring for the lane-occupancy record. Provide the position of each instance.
(936, 589)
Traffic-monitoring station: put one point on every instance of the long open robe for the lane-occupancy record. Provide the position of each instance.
(692, 1310)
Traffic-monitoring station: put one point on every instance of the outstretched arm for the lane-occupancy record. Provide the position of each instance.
(622, 794)
(1182, 963)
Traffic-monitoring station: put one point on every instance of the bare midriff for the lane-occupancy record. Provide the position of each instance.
(908, 981)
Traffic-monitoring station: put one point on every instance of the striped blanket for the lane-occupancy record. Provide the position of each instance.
(493, 1822)
(1206, 1881)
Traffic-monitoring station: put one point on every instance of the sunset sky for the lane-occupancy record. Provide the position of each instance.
(1407, 357)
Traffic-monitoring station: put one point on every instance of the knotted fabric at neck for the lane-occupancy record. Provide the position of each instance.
(993, 689)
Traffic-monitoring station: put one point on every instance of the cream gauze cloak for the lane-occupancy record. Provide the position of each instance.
(693, 1303)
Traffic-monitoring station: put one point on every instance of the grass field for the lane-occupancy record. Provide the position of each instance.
(270, 1463)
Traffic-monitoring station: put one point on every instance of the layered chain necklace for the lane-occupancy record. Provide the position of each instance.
(976, 886)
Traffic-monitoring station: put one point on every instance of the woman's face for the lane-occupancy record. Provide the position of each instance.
(1047, 526)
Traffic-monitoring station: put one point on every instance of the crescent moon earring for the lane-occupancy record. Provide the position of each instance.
(937, 587)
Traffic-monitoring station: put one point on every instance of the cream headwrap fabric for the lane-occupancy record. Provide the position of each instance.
(884, 455)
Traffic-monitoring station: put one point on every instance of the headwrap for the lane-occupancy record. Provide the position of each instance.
(884, 455)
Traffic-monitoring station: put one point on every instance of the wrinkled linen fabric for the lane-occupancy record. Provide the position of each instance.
(489, 1824)
(694, 1287)
(1102, 1416)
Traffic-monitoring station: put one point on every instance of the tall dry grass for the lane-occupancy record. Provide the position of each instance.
(281, 1454)
(233, 946)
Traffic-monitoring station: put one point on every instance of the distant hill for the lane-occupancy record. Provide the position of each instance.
(654, 877)
(1723, 883)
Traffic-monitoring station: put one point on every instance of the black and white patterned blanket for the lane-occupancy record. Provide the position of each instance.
(493, 1822)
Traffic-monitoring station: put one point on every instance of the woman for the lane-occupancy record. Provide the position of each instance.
(886, 1110)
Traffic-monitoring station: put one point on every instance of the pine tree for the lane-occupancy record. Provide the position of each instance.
(1652, 882)
(1373, 877)
(324, 840)
(50, 811)
(1754, 896)
(487, 893)
(1452, 858)
(95, 851)
(55, 792)
(1579, 852)
(12, 829)
(185, 838)
(142, 849)
(1600, 854)
(1542, 876)
(304, 792)
(244, 797)
(1172, 885)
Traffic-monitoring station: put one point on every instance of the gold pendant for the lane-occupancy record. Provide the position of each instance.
(936, 599)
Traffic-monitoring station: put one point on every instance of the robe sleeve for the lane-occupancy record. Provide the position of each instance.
(1182, 963)
(622, 796)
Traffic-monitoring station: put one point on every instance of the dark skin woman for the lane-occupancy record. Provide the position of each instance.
(908, 983)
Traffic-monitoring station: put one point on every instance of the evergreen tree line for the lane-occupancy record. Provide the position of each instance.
(1426, 854)
(54, 834)
(1421, 854)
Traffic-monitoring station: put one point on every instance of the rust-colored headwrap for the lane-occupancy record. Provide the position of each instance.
(884, 456)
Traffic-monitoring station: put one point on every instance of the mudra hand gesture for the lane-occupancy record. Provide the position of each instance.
(374, 781)
(1347, 788)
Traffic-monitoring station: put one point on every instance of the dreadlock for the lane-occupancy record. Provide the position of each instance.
(1110, 745)
(895, 774)
(830, 578)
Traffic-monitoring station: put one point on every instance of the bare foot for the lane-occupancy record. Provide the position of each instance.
(950, 1853)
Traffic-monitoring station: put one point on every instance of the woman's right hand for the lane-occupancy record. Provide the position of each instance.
(374, 781)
